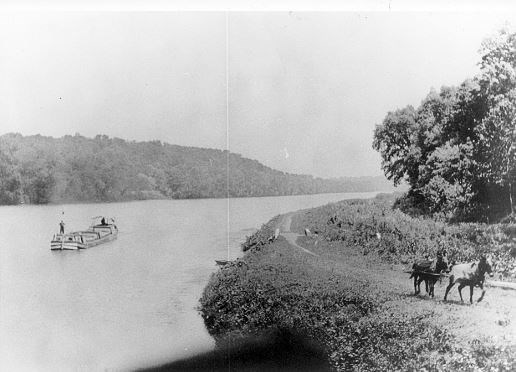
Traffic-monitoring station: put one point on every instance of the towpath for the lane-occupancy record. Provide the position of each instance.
(291, 237)
(492, 318)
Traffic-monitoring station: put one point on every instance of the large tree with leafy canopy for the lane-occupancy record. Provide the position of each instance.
(497, 129)
(457, 150)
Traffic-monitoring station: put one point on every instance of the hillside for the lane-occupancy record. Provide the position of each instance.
(39, 170)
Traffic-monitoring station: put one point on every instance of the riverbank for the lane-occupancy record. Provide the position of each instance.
(344, 289)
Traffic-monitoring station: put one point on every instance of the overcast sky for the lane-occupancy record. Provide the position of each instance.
(305, 89)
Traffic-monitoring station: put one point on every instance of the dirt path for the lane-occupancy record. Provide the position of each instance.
(291, 237)
(494, 318)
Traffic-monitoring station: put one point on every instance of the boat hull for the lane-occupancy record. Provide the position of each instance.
(92, 237)
(65, 246)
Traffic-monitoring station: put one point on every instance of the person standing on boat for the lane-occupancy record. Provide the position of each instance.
(61, 227)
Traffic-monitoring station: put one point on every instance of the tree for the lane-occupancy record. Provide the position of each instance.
(457, 151)
(10, 183)
(394, 138)
(497, 129)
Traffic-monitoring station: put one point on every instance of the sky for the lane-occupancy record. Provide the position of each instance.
(298, 91)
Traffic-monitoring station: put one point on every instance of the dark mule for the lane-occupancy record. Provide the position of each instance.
(426, 271)
(472, 274)
(417, 269)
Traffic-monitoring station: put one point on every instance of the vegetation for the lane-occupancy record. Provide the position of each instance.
(457, 150)
(262, 236)
(402, 238)
(354, 306)
(39, 170)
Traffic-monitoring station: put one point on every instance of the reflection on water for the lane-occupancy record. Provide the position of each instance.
(126, 304)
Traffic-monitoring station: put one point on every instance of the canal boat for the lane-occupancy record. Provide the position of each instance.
(100, 231)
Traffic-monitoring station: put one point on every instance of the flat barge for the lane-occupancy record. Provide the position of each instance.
(97, 233)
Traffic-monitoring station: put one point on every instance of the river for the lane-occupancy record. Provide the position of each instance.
(129, 303)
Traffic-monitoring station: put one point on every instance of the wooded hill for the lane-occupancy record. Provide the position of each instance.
(39, 170)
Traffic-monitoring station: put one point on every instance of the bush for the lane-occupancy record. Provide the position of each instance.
(262, 236)
(277, 289)
(373, 226)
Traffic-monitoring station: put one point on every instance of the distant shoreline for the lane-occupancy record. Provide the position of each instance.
(183, 199)
(43, 170)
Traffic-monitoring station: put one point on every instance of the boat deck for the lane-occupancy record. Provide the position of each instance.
(95, 235)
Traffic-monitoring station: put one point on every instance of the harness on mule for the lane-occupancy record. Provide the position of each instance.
(434, 268)
(420, 267)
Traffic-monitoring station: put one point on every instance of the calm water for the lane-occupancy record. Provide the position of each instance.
(126, 304)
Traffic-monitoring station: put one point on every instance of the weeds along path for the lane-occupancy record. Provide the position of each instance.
(360, 309)
(291, 237)
(493, 318)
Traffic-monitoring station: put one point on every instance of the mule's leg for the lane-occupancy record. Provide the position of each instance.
(471, 293)
(415, 284)
(427, 286)
(419, 280)
(452, 283)
(461, 285)
(481, 285)
(432, 286)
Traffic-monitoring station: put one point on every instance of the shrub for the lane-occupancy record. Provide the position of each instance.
(374, 226)
(262, 236)
(274, 287)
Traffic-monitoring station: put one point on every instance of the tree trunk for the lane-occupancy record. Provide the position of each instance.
(510, 197)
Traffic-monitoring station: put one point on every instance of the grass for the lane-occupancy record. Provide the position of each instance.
(349, 300)
(403, 238)
(262, 236)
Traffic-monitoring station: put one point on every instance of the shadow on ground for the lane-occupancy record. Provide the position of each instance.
(275, 351)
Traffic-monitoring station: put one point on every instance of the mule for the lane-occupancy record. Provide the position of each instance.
(425, 271)
(417, 269)
(472, 274)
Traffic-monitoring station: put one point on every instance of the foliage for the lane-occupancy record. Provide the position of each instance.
(358, 324)
(37, 169)
(262, 237)
(9, 181)
(457, 150)
(372, 226)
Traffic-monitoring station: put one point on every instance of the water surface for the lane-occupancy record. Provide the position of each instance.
(125, 304)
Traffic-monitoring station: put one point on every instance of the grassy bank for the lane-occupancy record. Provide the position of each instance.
(402, 238)
(352, 300)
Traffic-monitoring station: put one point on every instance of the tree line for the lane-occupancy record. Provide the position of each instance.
(39, 170)
(457, 150)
